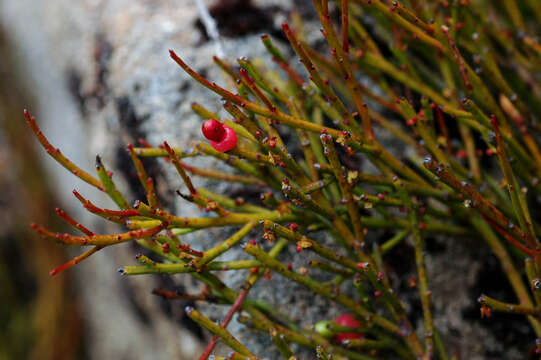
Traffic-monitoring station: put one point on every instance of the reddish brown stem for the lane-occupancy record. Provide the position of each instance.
(345, 39)
(236, 306)
(75, 260)
(292, 74)
(148, 184)
(458, 58)
(57, 155)
(249, 81)
(101, 240)
(484, 206)
(187, 249)
(443, 127)
(180, 168)
(152, 198)
(212, 86)
(508, 237)
(104, 212)
(144, 143)
(72, 222)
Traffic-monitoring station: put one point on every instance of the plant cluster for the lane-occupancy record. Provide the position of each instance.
(453, 80)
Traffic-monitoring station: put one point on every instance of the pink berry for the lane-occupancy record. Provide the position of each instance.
(227, 142)
(349, 321)
(213, 130)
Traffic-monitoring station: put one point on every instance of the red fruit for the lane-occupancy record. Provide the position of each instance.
(213, 130)
(411, 121)
(461, 154)
(349, 321)
(227, 142)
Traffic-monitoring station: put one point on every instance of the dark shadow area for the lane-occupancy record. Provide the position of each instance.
(40, 317)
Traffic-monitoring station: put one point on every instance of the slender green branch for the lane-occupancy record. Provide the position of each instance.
(222, 333)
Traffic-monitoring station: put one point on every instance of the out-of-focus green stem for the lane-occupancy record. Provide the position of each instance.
(222, 333)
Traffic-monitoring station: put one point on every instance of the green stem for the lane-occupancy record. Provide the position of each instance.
(219, 331)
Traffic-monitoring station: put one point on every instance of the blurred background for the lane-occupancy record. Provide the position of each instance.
(37, 311)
